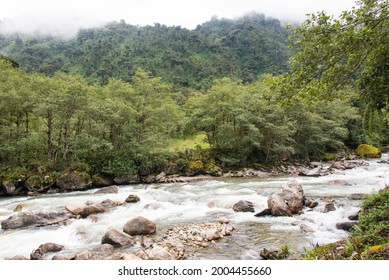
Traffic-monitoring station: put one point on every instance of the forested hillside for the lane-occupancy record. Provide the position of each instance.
(241, 48)
(114, 100)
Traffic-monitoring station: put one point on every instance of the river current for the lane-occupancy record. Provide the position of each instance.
(170, 205)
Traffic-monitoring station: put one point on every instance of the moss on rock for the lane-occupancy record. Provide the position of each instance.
(368, 151)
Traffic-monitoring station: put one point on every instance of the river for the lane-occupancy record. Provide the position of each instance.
(184, 203)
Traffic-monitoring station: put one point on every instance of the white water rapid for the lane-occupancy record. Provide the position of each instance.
(184, 203)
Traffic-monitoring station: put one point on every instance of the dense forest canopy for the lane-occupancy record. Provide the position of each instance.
(241, 48)
(112, 100)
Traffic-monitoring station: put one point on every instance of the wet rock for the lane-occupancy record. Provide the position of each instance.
(212, 234)
(306, 229)
(357, 196)
(125, 180)
(354, 217)
(315, 172)
(74, 180)
(158, 253)
(132, 198)
(75, 208)
(26, 219)
(329, 207)
(102, 181)
(18, 208)
(92, 208)
(347, 226)
(161, 177)
(293, 195)
(139, 226)
(106, 190)
(10, 188)
(223, 220)
(109, 203)
(243, 206)
(338, 165)
(117, 238)
(265, 212)
(86, 255)
(45, 248)
(338, 182)
(277, 206)
(310, 203)
(270, 254)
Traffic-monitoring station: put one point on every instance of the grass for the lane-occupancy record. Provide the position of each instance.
(194, 142)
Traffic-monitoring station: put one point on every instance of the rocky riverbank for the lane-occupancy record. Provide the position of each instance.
(41, 182)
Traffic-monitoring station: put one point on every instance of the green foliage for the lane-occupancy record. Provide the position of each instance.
(242, 48)
(373, 220)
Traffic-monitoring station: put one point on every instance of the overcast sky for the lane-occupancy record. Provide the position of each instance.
(67, 16)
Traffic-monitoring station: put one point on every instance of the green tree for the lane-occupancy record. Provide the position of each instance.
(334, 53)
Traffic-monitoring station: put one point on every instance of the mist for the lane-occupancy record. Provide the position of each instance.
(65, 18)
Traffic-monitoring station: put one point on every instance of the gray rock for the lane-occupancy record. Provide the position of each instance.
(117, 238)
(132, 198)
(357, 196)
(106, 190)
(277, 206)
(354, 217)
(243, 206)
(310, 203)
(124, 180)
(329, 207)
(92, 208)
(74, 180)
(26, 219)
(293, 195)
(347, 226)
(45, 248)
(139, 226)
(265, 212)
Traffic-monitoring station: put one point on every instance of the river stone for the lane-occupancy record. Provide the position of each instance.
(264, 212)
(310, 203)
(132, 198)
(158, 253)
(106, 190)
(329, 207)
(9, 188)
(117, 238)
(223, 220)
(75, 208)
(25, 219)
(243, 206)
(45, 248)
(354, 217)
(92, 208)
(86, 255)
(293, 195)
(139, 226)
(74, 180)
(277, 206)
(212, 234)
(306, 229)
(347, 226)
(357, 196)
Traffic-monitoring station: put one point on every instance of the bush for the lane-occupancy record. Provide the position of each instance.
(369, 151)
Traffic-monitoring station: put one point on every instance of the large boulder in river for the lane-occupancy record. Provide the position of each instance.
(107, 190)
(277, 206)
(243, 206)
(85, 209)
(117, 238)
(293, 195)
(45, 248)
(25, 219)
(140, 226)
(74, 180)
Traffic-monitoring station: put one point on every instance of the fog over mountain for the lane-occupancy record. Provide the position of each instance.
(65, 18)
